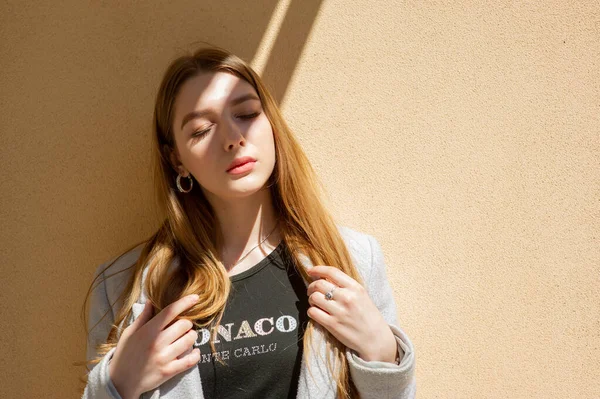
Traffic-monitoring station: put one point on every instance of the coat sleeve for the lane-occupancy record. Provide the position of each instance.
(101, 318)
(375, 379)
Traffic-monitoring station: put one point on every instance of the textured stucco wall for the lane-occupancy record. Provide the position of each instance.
(464, 136)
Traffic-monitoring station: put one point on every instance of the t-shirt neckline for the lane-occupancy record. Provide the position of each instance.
(260, 265)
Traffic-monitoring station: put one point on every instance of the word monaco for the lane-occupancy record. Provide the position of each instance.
(264, 326)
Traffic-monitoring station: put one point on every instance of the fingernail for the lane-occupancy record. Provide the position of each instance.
(195, 297)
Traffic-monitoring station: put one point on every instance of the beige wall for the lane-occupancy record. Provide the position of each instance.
(464, 136)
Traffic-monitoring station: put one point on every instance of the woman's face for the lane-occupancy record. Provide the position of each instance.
(218, 119)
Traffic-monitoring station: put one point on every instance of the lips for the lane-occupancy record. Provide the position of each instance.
(240, 161)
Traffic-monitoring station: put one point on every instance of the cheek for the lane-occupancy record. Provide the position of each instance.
(199, 159)
(264, 133)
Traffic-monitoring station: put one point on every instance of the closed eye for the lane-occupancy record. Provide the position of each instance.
(200, 133)
(249, 116)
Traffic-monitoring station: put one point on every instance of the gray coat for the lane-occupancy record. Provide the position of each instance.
(373, 379)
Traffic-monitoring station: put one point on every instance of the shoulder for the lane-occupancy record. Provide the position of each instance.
(358, 243)
(114, 274)
(114, 268)
(363, 249)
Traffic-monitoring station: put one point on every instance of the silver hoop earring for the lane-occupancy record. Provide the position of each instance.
(178, 181)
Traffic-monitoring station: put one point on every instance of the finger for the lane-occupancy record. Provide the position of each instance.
(142, 318)
(184, 344)
(321, 317)
(168, 314)
(186, 362)
(174, 332)
(320, 285)
(331, 307)
(187, 352)
(332, 274)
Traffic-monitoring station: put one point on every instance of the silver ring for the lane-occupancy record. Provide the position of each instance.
(329, 295)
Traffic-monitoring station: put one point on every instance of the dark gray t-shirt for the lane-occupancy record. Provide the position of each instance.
(260, 336)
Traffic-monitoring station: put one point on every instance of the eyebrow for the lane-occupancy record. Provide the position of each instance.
(235, 101)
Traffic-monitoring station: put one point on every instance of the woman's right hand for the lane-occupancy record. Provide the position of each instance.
(150, 353)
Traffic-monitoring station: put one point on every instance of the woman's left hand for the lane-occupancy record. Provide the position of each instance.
(350, 316)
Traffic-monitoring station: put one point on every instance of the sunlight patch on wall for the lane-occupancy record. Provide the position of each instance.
(265, 47)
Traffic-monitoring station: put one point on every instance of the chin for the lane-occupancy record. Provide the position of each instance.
(244, 190)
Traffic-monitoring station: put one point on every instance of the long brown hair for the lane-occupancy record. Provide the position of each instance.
(190, 232)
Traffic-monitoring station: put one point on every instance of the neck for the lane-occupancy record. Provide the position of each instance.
(244, 223)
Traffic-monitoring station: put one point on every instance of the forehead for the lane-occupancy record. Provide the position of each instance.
(207, 90)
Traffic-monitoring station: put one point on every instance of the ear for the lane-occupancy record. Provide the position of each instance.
(175, 162)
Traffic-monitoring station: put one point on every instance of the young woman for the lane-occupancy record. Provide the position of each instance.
(248, 289)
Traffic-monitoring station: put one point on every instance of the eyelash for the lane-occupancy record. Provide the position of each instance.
(201, 133)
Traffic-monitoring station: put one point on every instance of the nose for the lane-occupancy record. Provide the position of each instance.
(234, 136)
